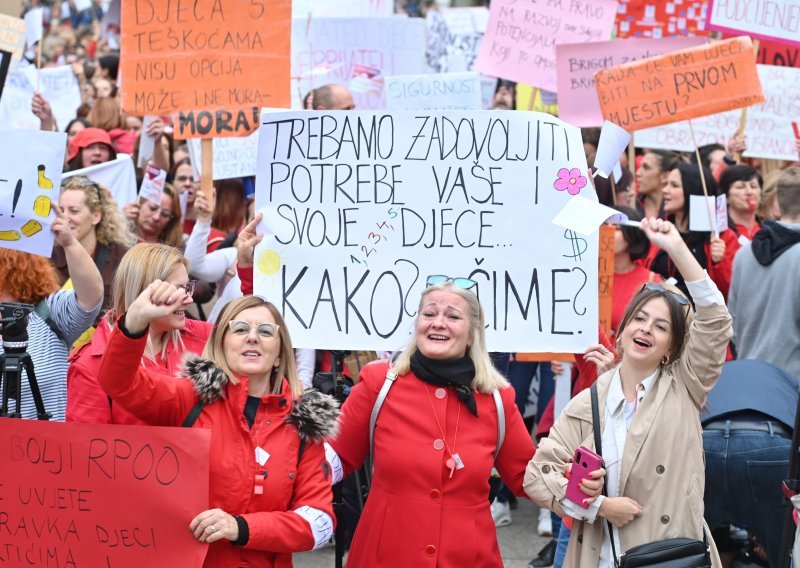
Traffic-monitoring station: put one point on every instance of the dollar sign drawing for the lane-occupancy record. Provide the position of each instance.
(577, 248)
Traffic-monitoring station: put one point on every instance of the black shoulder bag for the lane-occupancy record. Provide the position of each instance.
(669, 553)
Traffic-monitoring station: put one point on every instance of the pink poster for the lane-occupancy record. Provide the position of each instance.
(577, 62)
(520, 41)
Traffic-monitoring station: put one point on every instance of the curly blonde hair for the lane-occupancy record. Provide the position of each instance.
(112, 228)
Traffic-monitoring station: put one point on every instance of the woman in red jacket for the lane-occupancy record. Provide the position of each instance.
(714, 253)
(169, 338)
(270, 487)
(435, 441)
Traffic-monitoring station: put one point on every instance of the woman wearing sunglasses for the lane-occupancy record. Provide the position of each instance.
(169, 337)
(649, 407)
(435, 440)
(270, 487)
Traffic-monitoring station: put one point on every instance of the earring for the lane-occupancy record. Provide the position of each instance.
(665, 360)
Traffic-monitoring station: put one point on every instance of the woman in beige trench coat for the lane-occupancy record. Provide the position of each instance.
(649, 417)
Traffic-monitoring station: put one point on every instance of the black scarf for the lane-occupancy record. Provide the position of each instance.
(451, 372)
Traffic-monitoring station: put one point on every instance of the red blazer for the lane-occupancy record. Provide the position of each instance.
(416, 515)
(87, 401)
(275, 529)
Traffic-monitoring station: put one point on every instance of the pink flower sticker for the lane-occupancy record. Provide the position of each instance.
(570, 180)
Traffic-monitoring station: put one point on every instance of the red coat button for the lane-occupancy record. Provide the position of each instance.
(430, 550)
(436, 494)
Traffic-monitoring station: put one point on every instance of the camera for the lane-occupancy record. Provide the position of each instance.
(14, 324)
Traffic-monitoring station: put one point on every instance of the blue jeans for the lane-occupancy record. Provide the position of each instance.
(521, 374)
(561, 546)
(744, 472)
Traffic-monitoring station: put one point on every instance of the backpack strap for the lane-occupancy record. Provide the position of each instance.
(391, 377)
(501, 421)
(193, 415)
(100, 260)
(43, 311)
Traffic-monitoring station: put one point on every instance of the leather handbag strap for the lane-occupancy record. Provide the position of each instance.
(598, 447)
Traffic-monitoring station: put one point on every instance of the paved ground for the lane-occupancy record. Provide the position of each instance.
(518, 542)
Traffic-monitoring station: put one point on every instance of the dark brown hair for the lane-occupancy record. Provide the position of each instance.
(679, 320)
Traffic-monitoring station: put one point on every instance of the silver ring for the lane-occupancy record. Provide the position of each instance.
(213, 528)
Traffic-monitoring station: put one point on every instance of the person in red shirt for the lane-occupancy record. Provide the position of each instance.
(169, 339)
(269, 485)
(742, 185)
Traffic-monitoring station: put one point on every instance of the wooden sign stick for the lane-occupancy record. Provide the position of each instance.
(711, 219)
(207, 159)
(743, 118)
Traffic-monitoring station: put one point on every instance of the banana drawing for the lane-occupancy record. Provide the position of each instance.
(41, 206)
(44, 182)
(9, 235)
(31, 228)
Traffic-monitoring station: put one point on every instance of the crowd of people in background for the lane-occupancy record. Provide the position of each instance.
(133, 290)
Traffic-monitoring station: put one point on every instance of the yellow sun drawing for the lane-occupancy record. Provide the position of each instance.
(270, 261)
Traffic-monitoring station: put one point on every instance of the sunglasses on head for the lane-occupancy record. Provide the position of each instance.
(658, 288)
(459, 281)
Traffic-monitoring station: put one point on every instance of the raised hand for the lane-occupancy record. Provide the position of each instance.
(41, 108)
(246, 244)
(602, 358)
(213, 525)
(662, 233)
(157, 300)
(60, 227)
(205, 207)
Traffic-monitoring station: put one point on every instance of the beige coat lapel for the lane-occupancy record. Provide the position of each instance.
(642, 422)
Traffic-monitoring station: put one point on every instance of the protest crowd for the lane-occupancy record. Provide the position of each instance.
(280, 276)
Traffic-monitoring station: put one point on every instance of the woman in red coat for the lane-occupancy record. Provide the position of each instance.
(435, 440)
(169, 338)
(270, 487)
(714, 253)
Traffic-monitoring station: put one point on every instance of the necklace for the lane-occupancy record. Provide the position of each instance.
(454, 461)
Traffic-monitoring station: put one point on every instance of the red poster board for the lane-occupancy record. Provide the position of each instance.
(216, 64)
(657, 19)
(101, 495)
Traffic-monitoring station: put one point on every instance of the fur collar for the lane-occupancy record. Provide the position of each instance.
(313, 414)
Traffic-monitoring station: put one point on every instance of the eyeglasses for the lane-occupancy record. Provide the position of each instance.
(265, 330)
(657, 288)
(190, 287)
(459, 281)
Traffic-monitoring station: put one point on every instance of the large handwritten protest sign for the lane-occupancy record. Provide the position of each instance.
(340, 50)
(521, 38)
(341, 8)
(440, 91)
(781, 54)
(12, 35)
(101, 495)
(777, 20)
(216, 64)
(454, 38)
(30, 179)
(656, 19)
(360, 207)
(769, 129)
(680, 85)
(577, 63)
(58, 86)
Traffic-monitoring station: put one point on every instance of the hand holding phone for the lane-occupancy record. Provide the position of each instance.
(584, 462)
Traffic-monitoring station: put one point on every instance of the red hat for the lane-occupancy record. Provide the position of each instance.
(88, 136)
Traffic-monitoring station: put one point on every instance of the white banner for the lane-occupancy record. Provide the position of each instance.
(769, 125)
(118, 176)
(30, 182)
(360, 207)
(342, 8)
(58, 86)
(454, 38)
(357, 53)
(442, 91)
(233, 157)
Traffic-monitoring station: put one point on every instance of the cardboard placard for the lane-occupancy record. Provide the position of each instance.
(680, 85)
(30, 180)
(454, 38)
(302, 9)
(775, 20)
(12, 35)
(520, 41)
(656, 19)
(101, 494)
(769, 133)
(441, 91)
(215, 65)
(355, 220)
(577, 63)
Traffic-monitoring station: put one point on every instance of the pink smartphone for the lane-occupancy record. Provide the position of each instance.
(584, 462)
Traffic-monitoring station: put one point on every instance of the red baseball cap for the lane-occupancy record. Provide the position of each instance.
(86, 138)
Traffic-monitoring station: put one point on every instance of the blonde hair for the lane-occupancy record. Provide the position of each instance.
(172, 233)
(215, 350)
(140, 267)
(112, 228)
(487, 378)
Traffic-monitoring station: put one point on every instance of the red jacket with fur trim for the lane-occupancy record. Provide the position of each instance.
(296, 494)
